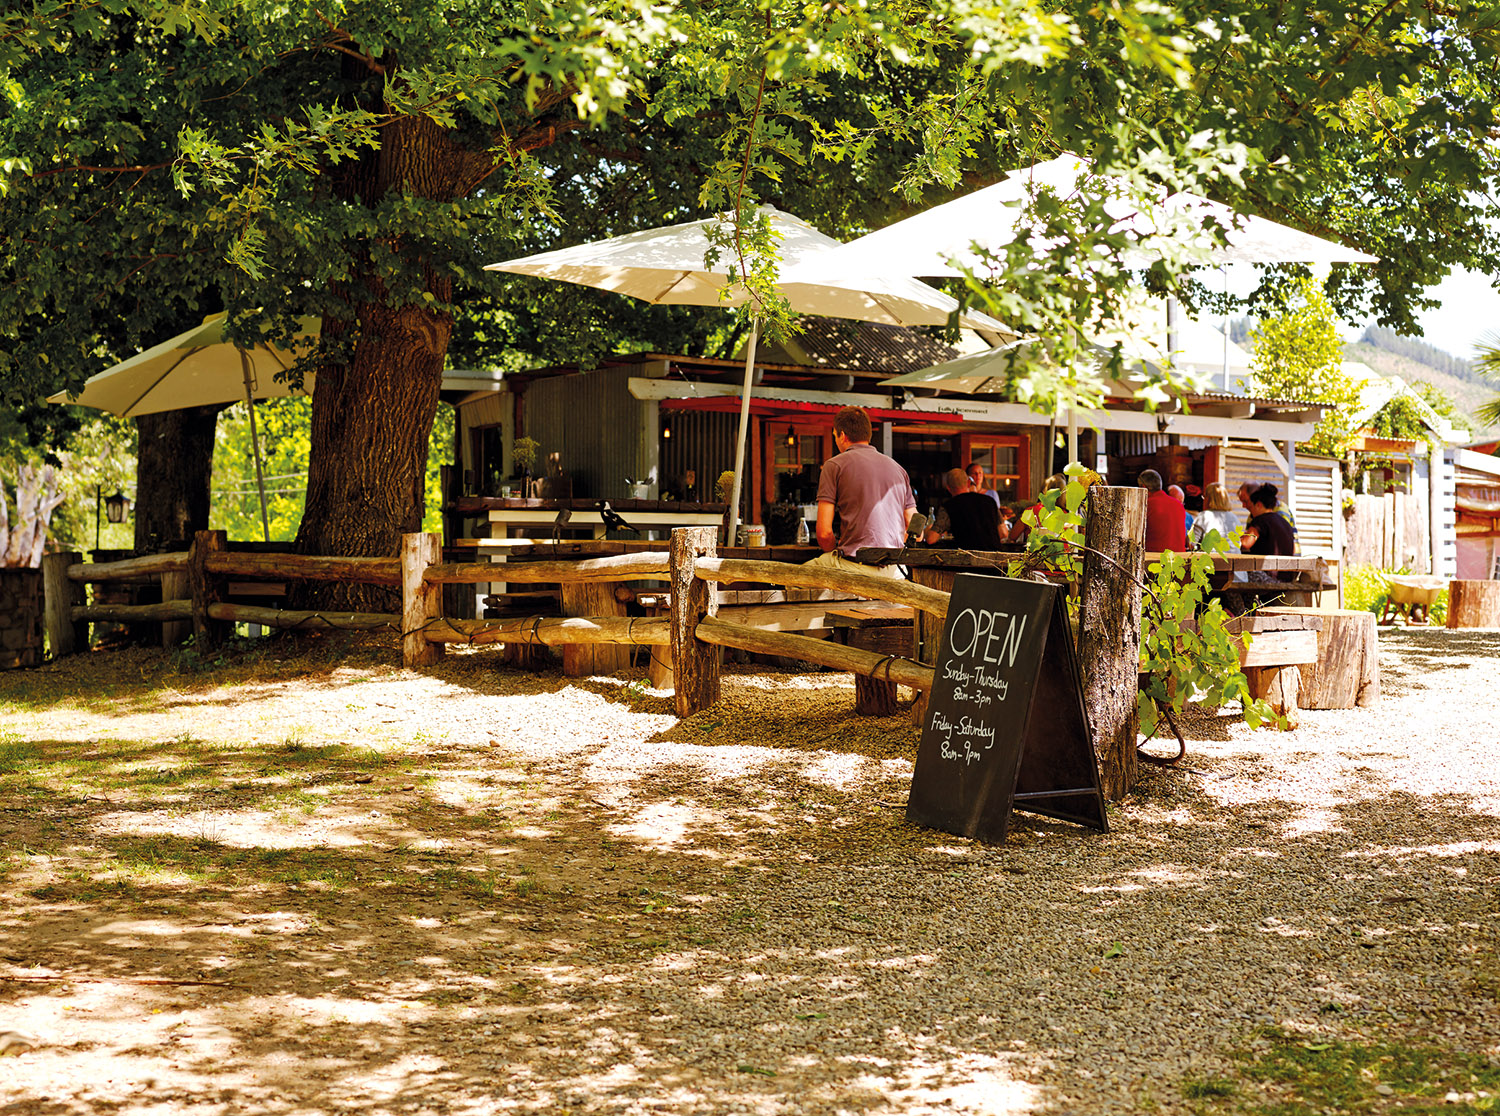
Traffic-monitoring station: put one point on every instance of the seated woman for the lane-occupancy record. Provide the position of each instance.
(1268, 532)
(1215, 516)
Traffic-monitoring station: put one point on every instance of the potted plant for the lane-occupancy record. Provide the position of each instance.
(524, 454)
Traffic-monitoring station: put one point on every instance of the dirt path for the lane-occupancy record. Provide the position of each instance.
(479, 891)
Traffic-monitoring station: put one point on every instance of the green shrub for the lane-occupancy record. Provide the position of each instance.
(1365, 589)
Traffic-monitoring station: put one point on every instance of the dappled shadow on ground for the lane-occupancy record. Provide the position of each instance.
(691, 922)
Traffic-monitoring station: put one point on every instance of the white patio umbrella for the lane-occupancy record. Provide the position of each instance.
(942, 240)
(195, 369)
(666, 265)
(945, 239)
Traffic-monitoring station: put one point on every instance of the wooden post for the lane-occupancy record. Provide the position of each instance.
(593, 598)
(61, 595)
(1109, 627)
(421, 600)
(175, 587)
(695, 664)
(1474, 604)
(207, 589)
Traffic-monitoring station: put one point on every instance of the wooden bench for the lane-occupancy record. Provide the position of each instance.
(885, 629)
(1347, 670)
(1310, 658)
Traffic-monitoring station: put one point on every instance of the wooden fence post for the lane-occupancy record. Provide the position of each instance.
(207, 589)
(175, 587)
(695, 664)
(1109, 630)
(421, 601)
(61, 595)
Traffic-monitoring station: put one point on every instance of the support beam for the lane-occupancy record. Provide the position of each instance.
(1273, 453)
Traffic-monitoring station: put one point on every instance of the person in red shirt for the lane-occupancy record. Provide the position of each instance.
(1166, 518)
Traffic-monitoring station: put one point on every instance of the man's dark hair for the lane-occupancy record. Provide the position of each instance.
(853, 423)
(1265, 496)
(1150, 480)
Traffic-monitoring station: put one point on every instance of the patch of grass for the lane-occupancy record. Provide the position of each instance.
(17, 756)
(1211, 1087)
(1295, 1075)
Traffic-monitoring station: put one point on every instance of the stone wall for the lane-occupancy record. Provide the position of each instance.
(20, 618)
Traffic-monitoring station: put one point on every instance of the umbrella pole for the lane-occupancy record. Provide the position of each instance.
(739, 445)
(260, 480)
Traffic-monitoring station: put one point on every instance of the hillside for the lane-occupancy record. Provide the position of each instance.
(1454, 377)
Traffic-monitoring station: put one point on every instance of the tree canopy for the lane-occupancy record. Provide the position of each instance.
(1299, 354)
(360, 162)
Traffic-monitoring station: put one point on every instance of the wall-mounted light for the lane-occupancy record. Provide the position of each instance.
(666, 431)
(116, 507)
(791, 436)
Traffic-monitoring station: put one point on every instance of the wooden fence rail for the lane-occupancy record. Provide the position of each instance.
(691, 629)
(127, 569)
(646, 563)
(872, 585)
(555, 631)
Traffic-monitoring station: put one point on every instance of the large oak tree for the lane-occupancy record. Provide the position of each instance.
(360, 162)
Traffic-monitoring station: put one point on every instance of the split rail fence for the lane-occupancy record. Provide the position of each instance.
(194, 588)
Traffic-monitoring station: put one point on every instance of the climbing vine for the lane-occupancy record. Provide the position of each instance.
(1187, 653)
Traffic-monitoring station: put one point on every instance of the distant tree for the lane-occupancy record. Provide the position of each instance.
(1442, 403)
(1299, 354)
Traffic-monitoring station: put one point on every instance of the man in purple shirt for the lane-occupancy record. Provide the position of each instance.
(870, 492)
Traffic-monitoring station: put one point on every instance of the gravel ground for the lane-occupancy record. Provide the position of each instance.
(563, 899)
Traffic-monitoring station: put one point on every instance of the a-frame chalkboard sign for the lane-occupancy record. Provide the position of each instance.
(1007, 727)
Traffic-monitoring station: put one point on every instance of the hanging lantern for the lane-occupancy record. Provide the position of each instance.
(791, 436)
(116, 507)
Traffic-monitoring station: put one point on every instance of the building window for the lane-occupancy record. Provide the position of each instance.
(796, 456)
(1003, 459)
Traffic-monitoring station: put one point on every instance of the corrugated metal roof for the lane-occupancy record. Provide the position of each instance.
(1258, 400)
(857, 346)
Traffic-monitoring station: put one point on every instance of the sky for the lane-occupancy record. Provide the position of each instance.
(1470, 309)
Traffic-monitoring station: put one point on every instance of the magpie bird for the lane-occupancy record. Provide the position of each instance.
(613, 520)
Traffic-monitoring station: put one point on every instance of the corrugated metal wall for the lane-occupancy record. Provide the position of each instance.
(601, 431)
(1127, 443)
(702, 441)
(1317, 500)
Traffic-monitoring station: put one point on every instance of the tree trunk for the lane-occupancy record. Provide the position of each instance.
(173, 472)
(371, 419)
(372, 413)
(1474, 604)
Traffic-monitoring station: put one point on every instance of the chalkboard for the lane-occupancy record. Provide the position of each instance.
(1006, 724)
